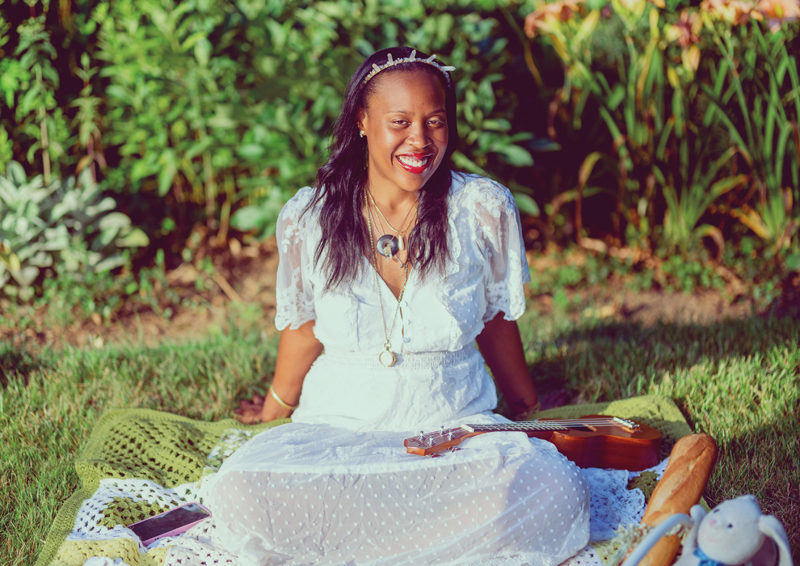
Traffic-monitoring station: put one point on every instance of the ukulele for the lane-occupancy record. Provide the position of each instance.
(596, 441)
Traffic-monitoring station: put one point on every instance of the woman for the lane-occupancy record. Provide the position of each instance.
(390, 271)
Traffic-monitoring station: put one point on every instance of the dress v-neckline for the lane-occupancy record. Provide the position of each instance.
(385, 285)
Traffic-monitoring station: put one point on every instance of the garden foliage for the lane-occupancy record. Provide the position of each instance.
(700, 108)
(676, 123)
(67, 227)
(210, 107)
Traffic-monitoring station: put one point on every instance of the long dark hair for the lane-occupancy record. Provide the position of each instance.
(341, 182)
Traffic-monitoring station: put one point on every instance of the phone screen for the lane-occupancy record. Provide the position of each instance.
(169, 521)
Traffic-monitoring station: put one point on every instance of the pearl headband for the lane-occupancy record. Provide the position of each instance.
(390, 62)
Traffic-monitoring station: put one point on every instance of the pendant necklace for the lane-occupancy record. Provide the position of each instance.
(387, 357)
(388, 245)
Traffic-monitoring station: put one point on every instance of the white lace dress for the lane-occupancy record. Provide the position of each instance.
(336, 485)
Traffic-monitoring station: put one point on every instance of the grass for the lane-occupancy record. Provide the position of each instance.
(738, 381)
(51, 399)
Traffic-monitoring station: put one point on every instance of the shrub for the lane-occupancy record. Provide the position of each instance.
(223, 106)
(64, 227)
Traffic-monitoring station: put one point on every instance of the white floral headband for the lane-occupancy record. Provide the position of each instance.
(390, 62)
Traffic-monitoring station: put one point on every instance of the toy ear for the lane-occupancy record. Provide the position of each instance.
(698, 513)
(773, 528)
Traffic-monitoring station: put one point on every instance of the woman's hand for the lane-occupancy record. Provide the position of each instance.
(260, 410)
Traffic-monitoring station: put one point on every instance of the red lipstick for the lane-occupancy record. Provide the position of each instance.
(415, 162)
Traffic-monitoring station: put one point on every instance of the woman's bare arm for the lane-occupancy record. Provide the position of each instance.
(501, 346)
(297, 350)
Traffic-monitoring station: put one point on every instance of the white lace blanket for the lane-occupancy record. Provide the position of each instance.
(122, 483)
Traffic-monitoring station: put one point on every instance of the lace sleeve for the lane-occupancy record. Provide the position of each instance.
(293, 290)
(506, 267)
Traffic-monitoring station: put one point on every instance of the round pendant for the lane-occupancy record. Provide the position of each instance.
(387, 246)
(387, 358)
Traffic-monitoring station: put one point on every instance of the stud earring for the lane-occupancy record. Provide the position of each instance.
(361, 133)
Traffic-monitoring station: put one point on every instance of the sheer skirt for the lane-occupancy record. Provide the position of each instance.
(505, 497)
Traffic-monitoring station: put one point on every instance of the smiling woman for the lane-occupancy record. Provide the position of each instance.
(391, 269)
(406, 129)
(405, 125)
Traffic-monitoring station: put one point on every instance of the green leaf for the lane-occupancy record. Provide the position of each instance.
(463, 162)
(202, 51)
(250, 151)
(526, 204)
(104, 205)
(793, 261)
(114, 221)
(109, 263)
(136, 238)
(25, 276)
(543, 145)
(166, 177)
(497, 124)
(249, 218)
(516, 155)
(12, 262)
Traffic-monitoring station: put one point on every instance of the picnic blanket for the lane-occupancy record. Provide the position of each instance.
(138, 463)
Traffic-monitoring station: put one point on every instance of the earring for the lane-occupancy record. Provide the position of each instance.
(361, 133)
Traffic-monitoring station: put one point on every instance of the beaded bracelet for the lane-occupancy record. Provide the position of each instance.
(280, 401)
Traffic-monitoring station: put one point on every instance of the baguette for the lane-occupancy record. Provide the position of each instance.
(685, 477)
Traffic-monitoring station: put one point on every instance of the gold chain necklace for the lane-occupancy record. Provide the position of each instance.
(389, 245)
(386, 357)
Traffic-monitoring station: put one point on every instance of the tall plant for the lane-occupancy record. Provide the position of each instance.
(757, 97)
(666, 107)
(48, 86)
(29, 80)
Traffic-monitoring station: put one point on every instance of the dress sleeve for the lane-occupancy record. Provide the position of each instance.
(293, 288)
(506, 267)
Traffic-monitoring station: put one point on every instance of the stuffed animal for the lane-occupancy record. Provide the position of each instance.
(733, 533)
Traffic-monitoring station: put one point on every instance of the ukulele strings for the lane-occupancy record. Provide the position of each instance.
(550, 424)
(541, 425)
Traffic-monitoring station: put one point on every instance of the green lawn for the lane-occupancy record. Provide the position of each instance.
(737, 380)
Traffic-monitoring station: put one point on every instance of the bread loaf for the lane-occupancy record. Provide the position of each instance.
(689, 467)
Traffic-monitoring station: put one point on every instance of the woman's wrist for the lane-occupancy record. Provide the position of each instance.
(275, 407)
(271, 411)
(279, 400)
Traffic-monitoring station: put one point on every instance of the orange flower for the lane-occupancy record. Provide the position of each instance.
(778, 11)
(545, 14)
(687, 28)
(736, 12)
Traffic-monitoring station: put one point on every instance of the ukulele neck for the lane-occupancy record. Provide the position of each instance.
(554, 424)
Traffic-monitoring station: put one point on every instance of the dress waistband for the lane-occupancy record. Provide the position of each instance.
(409, 360)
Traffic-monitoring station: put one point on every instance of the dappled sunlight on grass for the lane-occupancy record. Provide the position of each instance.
(738, 380)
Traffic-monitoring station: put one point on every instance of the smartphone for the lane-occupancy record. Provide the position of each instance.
(170, 523)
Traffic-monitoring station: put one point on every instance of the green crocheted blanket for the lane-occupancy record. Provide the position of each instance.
(138, 463)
